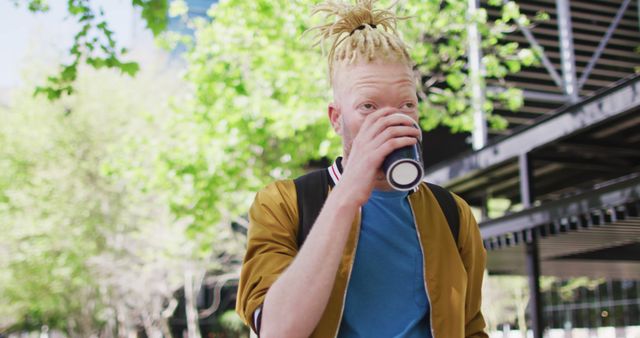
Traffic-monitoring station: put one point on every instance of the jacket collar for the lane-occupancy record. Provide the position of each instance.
(335, 172)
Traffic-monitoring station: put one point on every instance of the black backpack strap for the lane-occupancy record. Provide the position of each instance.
(449, 208)
(312, 190)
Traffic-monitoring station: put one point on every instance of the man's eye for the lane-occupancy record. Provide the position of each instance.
(367, 106)
(410, 105)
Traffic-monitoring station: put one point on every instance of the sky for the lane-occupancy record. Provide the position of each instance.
(24, 35)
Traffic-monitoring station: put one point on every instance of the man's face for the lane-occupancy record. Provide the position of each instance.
(362, 88)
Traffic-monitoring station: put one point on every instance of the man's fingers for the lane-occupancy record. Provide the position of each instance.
(395, 131)
(382, 132)
(395, 143)
(393, 121)
(375, 116)
(387, 121)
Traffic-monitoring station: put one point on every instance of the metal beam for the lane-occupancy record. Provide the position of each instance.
(533, 257)
(504, 186)
(567, 56)
(526, 193)
(612, 195)
(533, 274)
(603, 43)
(598, 151)
(539, 50)
(574, 118)
(533, 95)
(583, 165)
(480, 134)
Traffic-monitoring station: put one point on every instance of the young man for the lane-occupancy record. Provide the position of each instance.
(377, 262)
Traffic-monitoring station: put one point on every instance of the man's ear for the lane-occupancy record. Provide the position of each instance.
(335, 117)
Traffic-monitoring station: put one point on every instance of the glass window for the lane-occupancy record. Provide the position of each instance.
(630, 289)
(617, 290)
(593, 317)
(603, 292)
(579, 318)
(590, 296)
(618, 318)
(633, 314)
(560, 317)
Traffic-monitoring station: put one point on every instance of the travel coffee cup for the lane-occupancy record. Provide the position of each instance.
(404, 167)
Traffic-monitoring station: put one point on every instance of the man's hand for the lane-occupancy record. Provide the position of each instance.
(382, 132)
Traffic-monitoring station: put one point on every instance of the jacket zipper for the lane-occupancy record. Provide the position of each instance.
(424, 272)
(344, 296)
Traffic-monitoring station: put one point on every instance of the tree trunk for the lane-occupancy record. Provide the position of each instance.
(147, 323)
(123, 330)
(164, 326)
(190, 293)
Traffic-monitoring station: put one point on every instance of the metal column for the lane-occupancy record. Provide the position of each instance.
(476, 78)
(533, 257)
(567, 56)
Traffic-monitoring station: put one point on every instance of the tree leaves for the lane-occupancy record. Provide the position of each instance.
(438, 31)
(129, 68)
(258, 110)
(154, 12)
(88, 236)
(95, 43)
(455, 80)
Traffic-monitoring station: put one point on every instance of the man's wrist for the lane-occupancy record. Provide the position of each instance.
(343, 200)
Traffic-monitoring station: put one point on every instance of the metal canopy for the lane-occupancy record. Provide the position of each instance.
(595, 234)
(573, 170)
(594, 47)
(603, 35)
(582, 199)
(606, 104)
(573, 213)
(567, 166)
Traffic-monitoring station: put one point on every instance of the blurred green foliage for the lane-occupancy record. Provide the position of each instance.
(89, 244)
(231, 322)
(258, 107)
(95, 43)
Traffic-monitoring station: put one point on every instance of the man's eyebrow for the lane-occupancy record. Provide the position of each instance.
(365, 82)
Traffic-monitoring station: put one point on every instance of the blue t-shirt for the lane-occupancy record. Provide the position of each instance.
(386, 295)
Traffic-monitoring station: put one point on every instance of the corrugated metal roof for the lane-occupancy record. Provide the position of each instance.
(590, 20)
(602, 242)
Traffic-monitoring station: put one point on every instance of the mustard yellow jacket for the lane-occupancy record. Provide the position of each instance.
(453, 276)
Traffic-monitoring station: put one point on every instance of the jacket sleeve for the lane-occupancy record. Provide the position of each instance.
(474, 258)
(271, 246)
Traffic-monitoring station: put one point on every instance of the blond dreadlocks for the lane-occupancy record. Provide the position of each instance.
(360, 32)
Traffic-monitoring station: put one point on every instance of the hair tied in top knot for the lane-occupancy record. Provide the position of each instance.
(371, 32)
(361, 27)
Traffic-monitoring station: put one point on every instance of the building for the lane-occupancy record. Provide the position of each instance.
(568, 166)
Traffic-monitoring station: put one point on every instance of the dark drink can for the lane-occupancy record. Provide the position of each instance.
(404, 167)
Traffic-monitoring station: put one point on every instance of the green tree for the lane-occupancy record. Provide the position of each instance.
(90, 240)
(504, 301)
(94, 43)
(258, 110)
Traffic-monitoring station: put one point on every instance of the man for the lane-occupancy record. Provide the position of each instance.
(377, 262)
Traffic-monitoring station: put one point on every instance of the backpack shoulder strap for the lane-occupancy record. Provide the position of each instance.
(312, 190)
(449, 208)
